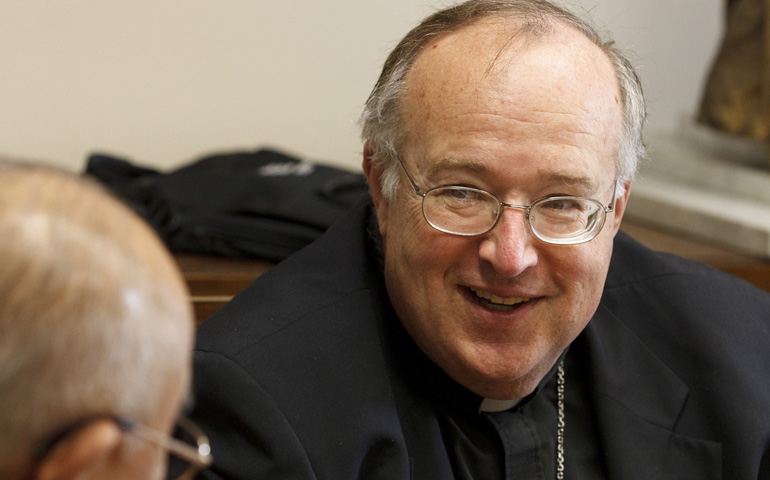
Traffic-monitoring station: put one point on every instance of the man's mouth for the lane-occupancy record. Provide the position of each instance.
(492, 300)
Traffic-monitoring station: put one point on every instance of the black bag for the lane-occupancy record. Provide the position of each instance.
(260, 204)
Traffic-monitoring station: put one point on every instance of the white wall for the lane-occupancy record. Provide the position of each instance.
(673, 43)
(165, 81)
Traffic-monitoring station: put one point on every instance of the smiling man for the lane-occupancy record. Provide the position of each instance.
(483, 318)
(524, 120)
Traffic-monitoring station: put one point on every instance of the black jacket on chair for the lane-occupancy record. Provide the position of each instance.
(307, 374)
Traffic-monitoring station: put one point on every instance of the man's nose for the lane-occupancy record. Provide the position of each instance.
(510, 246)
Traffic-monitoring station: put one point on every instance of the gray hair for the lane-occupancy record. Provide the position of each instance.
(94, 315)
(381, 120)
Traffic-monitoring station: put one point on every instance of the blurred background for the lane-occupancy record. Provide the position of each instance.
(165, 81)
(162, 83)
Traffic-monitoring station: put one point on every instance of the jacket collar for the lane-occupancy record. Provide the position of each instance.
(638, 401)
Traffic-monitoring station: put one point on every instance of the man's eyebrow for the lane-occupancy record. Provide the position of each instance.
(570, 179)
(567, 178)
(573, 180)
(456, 164)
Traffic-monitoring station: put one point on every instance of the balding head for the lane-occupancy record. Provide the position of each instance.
(94, 316)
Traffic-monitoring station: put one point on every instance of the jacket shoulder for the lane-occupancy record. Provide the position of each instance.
(633, 262)
(332, 274)
(677, 305)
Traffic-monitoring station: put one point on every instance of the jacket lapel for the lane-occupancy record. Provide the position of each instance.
(638, 400)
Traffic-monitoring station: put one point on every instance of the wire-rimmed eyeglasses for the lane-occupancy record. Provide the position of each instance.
(188, 447)
(468, 211)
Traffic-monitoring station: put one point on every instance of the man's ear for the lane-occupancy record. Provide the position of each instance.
(80, 452)
(620, 208)
(373, 175)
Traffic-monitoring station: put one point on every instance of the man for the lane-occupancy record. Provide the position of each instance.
(96, 337)
(474, 331)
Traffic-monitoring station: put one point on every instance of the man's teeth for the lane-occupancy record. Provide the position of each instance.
(498, 300)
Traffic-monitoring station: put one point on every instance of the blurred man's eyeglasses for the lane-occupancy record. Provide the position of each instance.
(467, 211)
(188, 447)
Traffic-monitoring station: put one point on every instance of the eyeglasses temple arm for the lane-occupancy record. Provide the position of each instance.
(417, 189)
(611, 206)
(200, 456)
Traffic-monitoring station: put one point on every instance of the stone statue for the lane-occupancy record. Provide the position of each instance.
(736, 99)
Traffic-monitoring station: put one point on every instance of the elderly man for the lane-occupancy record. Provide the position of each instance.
(95, 337)
(465, 325)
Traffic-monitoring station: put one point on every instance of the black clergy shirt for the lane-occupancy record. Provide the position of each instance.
(519, 443)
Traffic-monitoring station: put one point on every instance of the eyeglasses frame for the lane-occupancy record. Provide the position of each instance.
(199, 457)
(527, 208)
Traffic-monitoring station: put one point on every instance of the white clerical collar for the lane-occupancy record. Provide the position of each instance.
(491, 405)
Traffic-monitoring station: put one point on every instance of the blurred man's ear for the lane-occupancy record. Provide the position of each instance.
(81, 453)
(374, 179)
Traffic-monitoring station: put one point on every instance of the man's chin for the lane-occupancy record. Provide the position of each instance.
(502, 379)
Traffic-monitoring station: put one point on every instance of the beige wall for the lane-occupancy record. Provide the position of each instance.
(165, 81)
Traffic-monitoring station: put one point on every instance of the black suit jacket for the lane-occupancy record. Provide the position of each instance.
(307, 374)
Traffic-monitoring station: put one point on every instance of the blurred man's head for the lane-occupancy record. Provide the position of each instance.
(95, 332)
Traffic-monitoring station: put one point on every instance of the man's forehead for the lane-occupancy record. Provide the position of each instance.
(561, 84)
(487, 51)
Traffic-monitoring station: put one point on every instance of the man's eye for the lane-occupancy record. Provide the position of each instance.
(459, 197)
(563, 204)
(460, 194)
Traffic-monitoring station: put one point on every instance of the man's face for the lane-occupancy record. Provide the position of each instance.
(544, 119)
